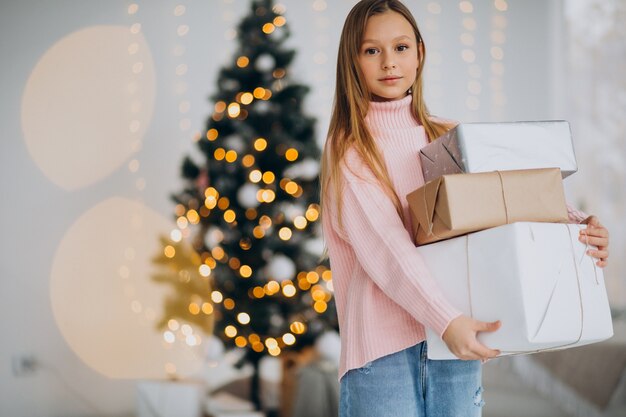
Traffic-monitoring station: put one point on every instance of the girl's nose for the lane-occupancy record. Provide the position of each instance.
(388, 65)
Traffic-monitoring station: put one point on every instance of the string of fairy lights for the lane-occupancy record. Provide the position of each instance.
(498, 39)
(321, 22)
(228, 16)
(469, 56)
(136, 69)
(177, 330)
(124, 270)
(323, 73)
(181, 70)
(317, 283)
(434, 87)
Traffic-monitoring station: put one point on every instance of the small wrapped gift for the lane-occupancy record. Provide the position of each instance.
(485, 147)
(534, 277)
(453, 205)
(181, 398)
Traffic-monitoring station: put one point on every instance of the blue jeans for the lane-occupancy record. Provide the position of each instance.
(407, 384)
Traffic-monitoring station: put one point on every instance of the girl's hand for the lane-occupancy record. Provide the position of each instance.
(597, 235)
(460, 337)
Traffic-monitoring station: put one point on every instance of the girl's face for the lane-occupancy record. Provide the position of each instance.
(388, 56)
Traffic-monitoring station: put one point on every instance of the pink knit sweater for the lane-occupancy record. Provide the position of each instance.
(384, 293)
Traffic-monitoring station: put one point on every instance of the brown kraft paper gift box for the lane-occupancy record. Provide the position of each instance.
(454, 205)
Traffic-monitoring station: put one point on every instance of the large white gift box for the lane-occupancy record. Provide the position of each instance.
(534, 277)
(485, 147)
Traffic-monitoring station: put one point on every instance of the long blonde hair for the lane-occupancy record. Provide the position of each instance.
(347, 125)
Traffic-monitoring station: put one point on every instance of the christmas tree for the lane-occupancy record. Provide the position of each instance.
(251, 207)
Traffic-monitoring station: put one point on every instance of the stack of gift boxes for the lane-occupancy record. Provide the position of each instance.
(492, 225)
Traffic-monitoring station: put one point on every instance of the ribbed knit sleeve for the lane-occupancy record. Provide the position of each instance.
(384, 248)
(575, 215)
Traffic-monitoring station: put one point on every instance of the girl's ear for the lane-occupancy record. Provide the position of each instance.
(420, 49)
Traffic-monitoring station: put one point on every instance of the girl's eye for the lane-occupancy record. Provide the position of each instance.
(370, 51)
(402, 47)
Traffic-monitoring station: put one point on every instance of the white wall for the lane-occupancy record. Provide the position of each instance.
(68, 168)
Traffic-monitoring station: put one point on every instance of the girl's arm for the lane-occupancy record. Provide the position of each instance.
(384, 249)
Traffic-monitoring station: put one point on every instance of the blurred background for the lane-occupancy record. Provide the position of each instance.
(118, 256)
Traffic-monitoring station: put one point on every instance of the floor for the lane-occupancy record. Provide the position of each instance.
(506, 395)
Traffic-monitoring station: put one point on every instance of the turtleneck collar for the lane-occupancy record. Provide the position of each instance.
(391, 114)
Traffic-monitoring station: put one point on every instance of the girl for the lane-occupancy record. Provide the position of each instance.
(384, 294)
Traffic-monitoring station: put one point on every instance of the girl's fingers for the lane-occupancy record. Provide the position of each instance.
(592, 220)
(483, 352)
(595, 241)
(595, 231)
(600, 254)
(484, 326)
(603, 263)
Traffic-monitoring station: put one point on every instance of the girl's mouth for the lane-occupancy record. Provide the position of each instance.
(390, 80)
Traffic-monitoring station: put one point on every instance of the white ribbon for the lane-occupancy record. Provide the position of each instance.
(580, 300)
